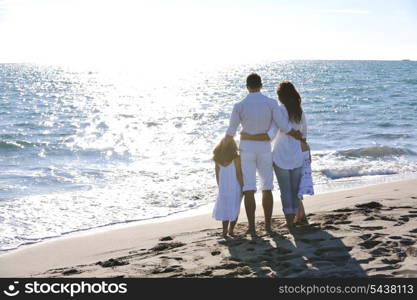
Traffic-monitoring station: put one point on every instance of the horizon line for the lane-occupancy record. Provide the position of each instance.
(260, 61)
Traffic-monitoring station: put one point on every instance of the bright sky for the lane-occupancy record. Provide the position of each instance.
(160, 32)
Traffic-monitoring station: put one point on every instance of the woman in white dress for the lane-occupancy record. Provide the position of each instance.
(230, 182)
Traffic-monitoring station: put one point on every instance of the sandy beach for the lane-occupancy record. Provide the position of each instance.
(365, 232)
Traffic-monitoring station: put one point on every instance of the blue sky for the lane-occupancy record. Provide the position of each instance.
(210, 32)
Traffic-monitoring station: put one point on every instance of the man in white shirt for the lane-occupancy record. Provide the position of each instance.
(256, 113)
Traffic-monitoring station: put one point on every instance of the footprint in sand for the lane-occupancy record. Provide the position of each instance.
(405, 219)
(395, 237)
(371, 228)
(372, 236)
(407, 242)
(365, 236)
(406, 273)
(411, 251)
(112, 262)
(228, 266)
(400, 207)
(381, 251)
(369, 244)
(366, 260)
(391, 261)
(342, 222)
(336, 219)
(173, 257)
(344, 210)
(198, 257)
(391, 244)
(173, 268)
(385, 218)
(369, 205)
(385, 268)
(71, 272)
(167, 246)
(330, 227)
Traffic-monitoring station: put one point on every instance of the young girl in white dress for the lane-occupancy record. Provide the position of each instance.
(230, 182)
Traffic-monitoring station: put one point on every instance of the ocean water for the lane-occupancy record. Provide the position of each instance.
(81, 149)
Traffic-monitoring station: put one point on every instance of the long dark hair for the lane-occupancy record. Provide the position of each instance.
(289, 96)
(225, 152)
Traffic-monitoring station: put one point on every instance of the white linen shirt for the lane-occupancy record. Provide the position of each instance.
(286, 152)
(257, 114)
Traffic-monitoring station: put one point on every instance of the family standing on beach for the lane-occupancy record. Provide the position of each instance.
(263, 121)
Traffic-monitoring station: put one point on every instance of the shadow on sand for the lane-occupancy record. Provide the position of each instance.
(311, 252)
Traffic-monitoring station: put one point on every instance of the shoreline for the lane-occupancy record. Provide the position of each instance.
(89, 247)
(207, 209)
